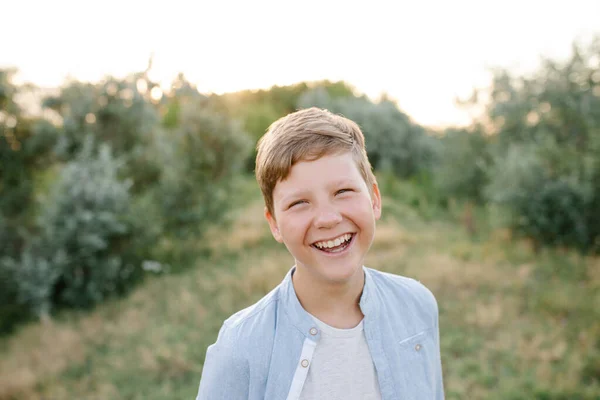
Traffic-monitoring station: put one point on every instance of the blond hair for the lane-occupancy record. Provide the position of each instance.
(307, 135)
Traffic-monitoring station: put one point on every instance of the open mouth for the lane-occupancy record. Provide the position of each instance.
(336, 245)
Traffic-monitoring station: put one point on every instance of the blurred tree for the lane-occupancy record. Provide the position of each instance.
(117, 112)
(25, 145)
(82, 254)
(463, 166)
(201, 159)
(546, 129)
(182, 92)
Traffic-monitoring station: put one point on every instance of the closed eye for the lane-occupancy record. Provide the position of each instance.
(343, 191)
(295, 203)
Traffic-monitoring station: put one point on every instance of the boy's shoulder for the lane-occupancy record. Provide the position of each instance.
(254, 321)
(401, 285)
(407, 295)
(256, 312)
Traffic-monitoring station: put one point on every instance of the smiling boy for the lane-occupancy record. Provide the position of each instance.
(333, 329)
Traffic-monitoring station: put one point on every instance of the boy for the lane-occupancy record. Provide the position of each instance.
(333, 329)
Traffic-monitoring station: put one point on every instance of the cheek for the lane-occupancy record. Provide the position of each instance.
(362, 209)
(293, 227)
(364, 217)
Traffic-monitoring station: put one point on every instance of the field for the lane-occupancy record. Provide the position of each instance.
(515, 324)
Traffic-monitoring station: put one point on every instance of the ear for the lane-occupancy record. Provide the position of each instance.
(273, 226)
(376, 200)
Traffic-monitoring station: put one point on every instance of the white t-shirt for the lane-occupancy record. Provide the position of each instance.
(341, 366)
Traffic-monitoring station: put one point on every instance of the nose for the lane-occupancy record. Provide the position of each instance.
(327, 217)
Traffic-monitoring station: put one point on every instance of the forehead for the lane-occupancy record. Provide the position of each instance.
(324, 172)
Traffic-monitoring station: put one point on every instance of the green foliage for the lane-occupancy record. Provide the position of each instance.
(555, 214)
(114, 111)
(258, 118)
(117, 112)
(91, 195)
(34, 279)
(24, 148)
(512, 174)
(281, 100)
(553, 210)
(201, 159)
(545, 151)
(410, 200)
(590, 373)
(80, 250)
(560, 100)
(393, 141)
(182, 92)
(462, 168)
(84, 237)
(12, 310)
(258, 109)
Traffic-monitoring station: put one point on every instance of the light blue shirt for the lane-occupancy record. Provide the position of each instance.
(265, 350)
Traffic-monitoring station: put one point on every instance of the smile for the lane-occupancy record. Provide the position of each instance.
(335, 245)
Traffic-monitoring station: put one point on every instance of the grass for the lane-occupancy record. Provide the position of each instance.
(514, 324)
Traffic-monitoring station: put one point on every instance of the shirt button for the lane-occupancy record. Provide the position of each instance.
(418, 347)
(313, 331)
(304, 363)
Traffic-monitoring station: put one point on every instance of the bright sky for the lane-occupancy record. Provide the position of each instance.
(423, 53)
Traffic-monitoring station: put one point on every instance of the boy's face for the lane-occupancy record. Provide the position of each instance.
(325, 216)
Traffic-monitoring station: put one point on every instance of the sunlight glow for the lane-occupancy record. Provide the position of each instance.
(423, 54)
(142, 86)
(156, 93)
(90, 118)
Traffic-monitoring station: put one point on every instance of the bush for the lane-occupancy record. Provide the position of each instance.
(461, 170)
(33, 278)
(201, 160)
(550, 209)
(545, 137)
(83, 251)
(555, 214)
(11, 310)
(118, 112)
(83, 247)
(24, 151)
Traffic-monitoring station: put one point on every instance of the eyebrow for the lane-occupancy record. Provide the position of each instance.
(344, 182)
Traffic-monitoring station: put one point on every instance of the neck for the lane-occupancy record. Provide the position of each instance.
(335, 303)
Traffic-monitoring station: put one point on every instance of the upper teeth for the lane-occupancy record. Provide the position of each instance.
(335, 242)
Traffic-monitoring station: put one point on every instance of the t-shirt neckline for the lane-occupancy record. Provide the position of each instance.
(337, 332)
